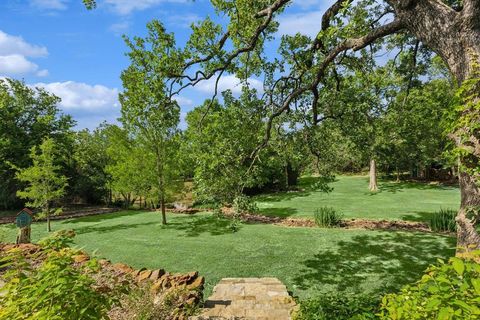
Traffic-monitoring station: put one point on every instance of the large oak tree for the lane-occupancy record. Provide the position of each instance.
(450, 28)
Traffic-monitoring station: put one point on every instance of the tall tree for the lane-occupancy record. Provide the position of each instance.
(450, 28)
(148, 112)
(27, 116)
(45, 184)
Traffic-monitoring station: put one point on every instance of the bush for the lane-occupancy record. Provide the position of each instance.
(327, 217)
(243, 204)
(48, 285)
(141, 304)
(340, 307)
(444, 221)
(447, 291)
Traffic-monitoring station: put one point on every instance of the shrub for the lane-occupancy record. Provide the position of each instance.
(141, 304)
(447, 291)
(340, 307)
(50, 285)
(327, 217)
(444, 221)
(243, 204)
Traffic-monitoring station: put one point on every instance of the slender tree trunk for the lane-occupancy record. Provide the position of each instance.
(164, 215)
(398, 174)
(373, 187)
(47, 210)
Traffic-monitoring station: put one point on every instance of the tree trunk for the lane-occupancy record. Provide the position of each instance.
(398, 174)
(467, 235)
(47, 211)
(164, 215)
(373, 176)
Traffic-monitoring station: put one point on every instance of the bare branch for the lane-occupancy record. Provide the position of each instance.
(332, 12)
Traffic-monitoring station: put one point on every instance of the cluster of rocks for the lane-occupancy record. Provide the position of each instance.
(162, 284)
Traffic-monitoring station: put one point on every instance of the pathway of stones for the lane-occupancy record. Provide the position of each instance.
(248, 299)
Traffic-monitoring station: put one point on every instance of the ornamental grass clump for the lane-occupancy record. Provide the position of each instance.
(327, 217)
(443, 221)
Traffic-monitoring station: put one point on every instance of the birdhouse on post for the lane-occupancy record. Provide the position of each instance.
(24, 221)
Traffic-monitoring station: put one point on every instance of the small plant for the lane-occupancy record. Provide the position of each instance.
(446, 291)
(443, 221)
(327, 217)
(234, 224)
(339, 307)
(243, 204)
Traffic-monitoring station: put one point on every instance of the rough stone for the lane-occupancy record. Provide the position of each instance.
(156, 274)
(144, 275)
(248, 298)
(81, 258)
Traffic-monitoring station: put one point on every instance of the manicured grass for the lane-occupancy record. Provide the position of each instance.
(307, 260)
(350, 196)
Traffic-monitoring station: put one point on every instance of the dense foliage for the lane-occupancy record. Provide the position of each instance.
(48, 285)
(447, 291)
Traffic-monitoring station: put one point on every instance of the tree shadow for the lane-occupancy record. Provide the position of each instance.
(201, 224)
(278, 212)
(397, 258)
(101, 217)
(394, 187)
(109, 228)
(418, 216)
(306, 186)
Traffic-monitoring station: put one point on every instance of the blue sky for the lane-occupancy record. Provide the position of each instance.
(79, 54)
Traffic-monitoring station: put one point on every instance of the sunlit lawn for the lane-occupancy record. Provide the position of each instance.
(308, 260)
(351, 197)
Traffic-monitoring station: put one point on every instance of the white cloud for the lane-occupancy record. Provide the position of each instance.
(307, 23)
(229, 82)
(16, 45)
(128, 6)
(184, 20)
(50, 4)
(14, 54)
(183, 101)
(77, 96)
(16, 64)
(304, 17)
(42, 73)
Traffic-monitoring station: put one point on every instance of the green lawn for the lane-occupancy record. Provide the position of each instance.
(308, 260)
(350, 196)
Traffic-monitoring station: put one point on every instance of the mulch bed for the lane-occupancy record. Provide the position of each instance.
(390, 225)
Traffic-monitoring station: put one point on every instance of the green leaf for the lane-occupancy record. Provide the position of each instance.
(458, 266)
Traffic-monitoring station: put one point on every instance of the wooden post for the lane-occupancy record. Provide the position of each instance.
(24, 235)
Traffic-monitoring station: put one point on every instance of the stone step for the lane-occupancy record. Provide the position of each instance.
(249, 299)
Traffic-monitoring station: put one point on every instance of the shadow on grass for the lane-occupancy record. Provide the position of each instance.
(307, 186)
(278, 212)
(102, 217)
(199, 225)
(397, 258)
(109, 228)
(418, 216)
(394, 187)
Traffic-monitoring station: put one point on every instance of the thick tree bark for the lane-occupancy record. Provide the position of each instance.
(373, 187)
(454, 36)
(467, 235)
